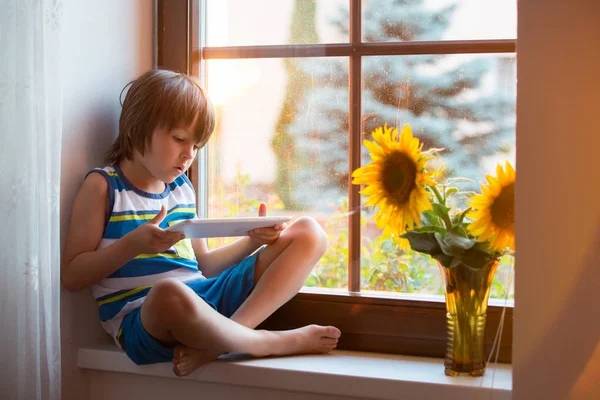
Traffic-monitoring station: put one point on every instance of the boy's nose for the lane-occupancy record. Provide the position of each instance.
(188, 153)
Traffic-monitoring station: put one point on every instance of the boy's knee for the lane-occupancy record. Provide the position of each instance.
(171, 300)
(309, 231)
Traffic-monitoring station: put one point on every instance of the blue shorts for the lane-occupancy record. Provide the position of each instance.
(225, 293)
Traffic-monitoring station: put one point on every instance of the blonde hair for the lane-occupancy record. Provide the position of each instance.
(160, 99)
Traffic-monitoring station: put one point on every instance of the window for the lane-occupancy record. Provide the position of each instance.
(297, 85)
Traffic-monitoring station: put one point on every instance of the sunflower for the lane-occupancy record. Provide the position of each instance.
(494, 210)
(396, 180)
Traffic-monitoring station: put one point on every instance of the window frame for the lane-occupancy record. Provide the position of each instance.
(369, 322)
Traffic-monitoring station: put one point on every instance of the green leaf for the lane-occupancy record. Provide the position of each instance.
(462, 231)
(451, 190)
(430, 229)
(458, 241)
(445, 248)
(458, 218)
(454, 244)
(423, 242)
(492, 254)
(477, 258)
(441, 211)
(428, 217)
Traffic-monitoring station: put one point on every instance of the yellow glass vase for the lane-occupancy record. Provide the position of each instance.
(467, 291)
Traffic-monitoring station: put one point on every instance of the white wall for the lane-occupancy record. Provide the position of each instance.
(106, 43)
(556, 353)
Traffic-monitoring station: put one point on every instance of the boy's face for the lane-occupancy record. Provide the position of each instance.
(171, 153)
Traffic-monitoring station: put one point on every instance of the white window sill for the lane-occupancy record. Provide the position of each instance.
(342, 373)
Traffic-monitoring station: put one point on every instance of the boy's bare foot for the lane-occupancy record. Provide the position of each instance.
(310, 339)
(186, 359)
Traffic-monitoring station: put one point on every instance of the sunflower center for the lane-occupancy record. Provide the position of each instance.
(398, 177)
(503, 208)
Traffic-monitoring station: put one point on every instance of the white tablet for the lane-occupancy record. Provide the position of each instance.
(224, 227)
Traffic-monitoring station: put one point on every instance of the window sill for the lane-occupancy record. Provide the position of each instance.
(342, 373)
(386, 323)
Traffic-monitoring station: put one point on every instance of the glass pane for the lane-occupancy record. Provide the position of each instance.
(275, 22)
(462, 103)
(273, 144)
(424, 20)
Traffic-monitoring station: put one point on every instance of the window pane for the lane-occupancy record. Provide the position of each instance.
(462, 103)
(425, 20)
(275, 22)
(280, 140)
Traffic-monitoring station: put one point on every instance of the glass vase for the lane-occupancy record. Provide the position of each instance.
(467, 291)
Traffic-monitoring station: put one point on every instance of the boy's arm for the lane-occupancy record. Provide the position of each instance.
(84, 264)
(213, 262)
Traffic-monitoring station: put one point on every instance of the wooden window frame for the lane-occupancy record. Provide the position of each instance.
(378, 323)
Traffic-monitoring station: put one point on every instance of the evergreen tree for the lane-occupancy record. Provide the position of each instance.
(442, 108)
(303, 31)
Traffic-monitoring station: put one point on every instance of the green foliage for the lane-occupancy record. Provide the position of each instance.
(383, 266)
(444, 235)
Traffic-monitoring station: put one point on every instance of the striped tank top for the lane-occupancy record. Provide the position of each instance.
(129, 207)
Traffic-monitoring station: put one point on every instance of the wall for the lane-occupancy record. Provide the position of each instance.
(556, 353)
(106, 43)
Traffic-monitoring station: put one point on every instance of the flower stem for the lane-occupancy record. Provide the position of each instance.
(438, 195)
(441, 201)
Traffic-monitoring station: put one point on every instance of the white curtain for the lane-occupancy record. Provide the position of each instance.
(30, 133)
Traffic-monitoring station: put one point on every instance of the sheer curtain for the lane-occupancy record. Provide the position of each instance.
(30, 132)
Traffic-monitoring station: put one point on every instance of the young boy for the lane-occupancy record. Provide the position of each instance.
(163, 297)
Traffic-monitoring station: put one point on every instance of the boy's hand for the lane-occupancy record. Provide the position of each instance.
(268, 235)
(151, 239)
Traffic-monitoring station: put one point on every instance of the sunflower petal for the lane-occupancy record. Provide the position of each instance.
(510, 172)
(374, 149)
(500, 234)
(486, 235)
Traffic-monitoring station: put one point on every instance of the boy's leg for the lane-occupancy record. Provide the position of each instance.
(174, 315)
(281, 270)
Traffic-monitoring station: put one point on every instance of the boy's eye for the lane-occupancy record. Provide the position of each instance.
(196, 148)
(178, 140)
